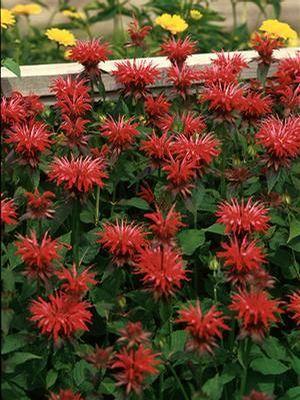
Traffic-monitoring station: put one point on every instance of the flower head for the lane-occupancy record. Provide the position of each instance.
(27, 9)
(90, 54)
(123, 240)
(134, 365)
(138, 34)
(265, 44)
(60, 316)
(8, 214)
(192, 123)
(294, 306)
(29, 139)
(79, 174)
(255, 106)
(182, 78)
(178, 50)
(133, 334)
(180, 174)
(243, 218)
(254, 395)
(204, 329)
(156, 106)
(173, 23)
(7, 18)
(120, 133)
(156, 148)
(39, 256)
(12, 109)
(146, 193)
(66, 394)
(281, 140)
(256, 312)
(39, 205)
(74, 129)
(136, 76)
(235, 62)
(100, 357)
(76, 283)
(196, 15)
(278, 29)
(162, 269)
(61, 36)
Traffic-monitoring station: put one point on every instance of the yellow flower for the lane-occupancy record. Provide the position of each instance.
(7, 18)
(61, 36)
(196, 15)
(295, 42)
(73, 14)
(27, 9)
(173, 23)
(279, 29)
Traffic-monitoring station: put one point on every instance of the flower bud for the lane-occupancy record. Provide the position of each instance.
(214, 264)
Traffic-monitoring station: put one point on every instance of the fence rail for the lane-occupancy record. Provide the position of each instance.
(37, 78)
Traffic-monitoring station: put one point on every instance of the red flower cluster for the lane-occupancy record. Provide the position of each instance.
(79, 174)
(156, 148)
(65, 395)
(182, 78)
(294, 306)
(204, 329)
(265, 44)
(100, 357)
(177, 51)
(156, 107)
(39, 205)
(120, 133)
(8, 213)
(76, 284)
(255, 106)
(133, 334)
(135, 77)
(138, 34)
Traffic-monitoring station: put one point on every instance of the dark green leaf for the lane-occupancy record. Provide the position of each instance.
(268, 366)
(190, 240)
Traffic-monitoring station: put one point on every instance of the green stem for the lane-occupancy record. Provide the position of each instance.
(97, 206)
(247, 346)
(223, 166)
(180, 385)
(234, 14)
(75, 230)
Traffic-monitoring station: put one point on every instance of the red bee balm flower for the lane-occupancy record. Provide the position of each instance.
(30, 139)
(72, 96)
(39, 205)
(235, 62)
(38, 257)
(256, 313)
(243, 218)
(156, 106)
(162, 270)
(146, 193)
(177, 51)
(265, 44)
(78, 174)
(74, 129)
(180, 173)
(281, 139)
(135, 76)
(134, 366)
(157, 148)
(122, 240)
(90, 54)
(165, 228)
(65, 395)
(133, 334)
(8, 213)
(182, 78)
(138, 34)
(254, 395)
(204, 329)
(61, 316)
(294, 306)
(121, 133)
(256, 106)
(76, 284)
(12, 109)
(192, 123)
(100, 358)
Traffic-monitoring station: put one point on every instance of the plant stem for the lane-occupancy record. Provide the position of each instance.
(180, 385)
(97, 206)
(234, 14)
(246, 352)
(75, 230)
(223, 165)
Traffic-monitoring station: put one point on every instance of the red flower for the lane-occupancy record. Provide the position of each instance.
(133, 334)
(223, 98)
(162, 270)
(214, 74)
(235, 62)
(29, 139)
(192, 123)
(61, 316)
(289, 98)
(265, 44)
(243, 218)
(254, 395)
(180, 173)
(74, 129)
(182, 78)
(134, 367)
(137, 34)
(288, 71)
(281, 140)
(78, 174)
(33, 105)
(165, 228)
(8, 213)
(165, 122)
(294, 306)
(101, 357)
(200, 149)
(123, 240)
(72, 96)
(135, 76)
(12, 109)
(256, 313)
(146, 193)
(259, 279)
(255, 106)
(177, 51)
(156, 106)
(39, 205)
(76, 284)
(121, 133)
(90, 53)
(204, 329)
(39, 257)
(156, 148)
(242, 258)
(237, 175)
(65, 395)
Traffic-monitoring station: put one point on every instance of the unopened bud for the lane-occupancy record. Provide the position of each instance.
(122, 301)
(101, 118)
(251, 150)
(214, 264)
(236, 162)
(286, 198)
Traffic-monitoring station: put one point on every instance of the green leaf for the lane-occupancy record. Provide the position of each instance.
(190, 240)
(213, 388)
(13, 342)
(19, 358)
(108, 386)
(296, 364)
(291, 394)
(216, 228)
(294, 230)
(12, 66)
(79, 372)
(135, 202)
(268, 366)
(274, 348)
(51, 378)
(178, 339)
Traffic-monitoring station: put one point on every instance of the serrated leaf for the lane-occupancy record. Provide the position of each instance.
(19, 358)
(268, 366)
(79, 372)
(213, 388)
(107, 386)
(190, 240)
(294, 230)
(13, 342)
(274, 348)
